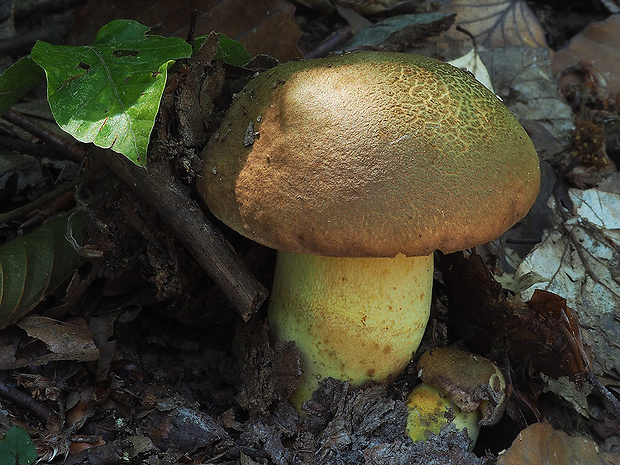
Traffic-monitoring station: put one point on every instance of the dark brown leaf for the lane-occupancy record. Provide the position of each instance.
(542, 334)
(182, 428)
(49, 340)
(251, 23)
(597, 46)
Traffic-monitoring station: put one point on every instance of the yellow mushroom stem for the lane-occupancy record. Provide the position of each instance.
(353, 319)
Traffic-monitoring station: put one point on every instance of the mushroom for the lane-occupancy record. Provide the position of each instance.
(356, 168)
(429, 410)
(458, 388)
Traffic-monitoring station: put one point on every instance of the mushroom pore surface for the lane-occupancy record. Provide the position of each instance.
(369, 155)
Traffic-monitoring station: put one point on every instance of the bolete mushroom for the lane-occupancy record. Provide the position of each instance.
(356, 168)
(458, 388)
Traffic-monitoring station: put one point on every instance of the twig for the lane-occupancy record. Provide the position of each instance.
(23, 400)
(44, 199)
(22, 146)
(612, 402)
(157, 186)
(73, 151)
(330, 43)
(160, 189)
(470, 35)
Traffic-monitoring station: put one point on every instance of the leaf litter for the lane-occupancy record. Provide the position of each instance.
(231, 386)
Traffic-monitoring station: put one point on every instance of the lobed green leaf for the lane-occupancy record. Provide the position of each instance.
(17, 447)
(109, 93)
(231, 51)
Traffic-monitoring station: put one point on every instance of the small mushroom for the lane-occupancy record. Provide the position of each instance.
(430, 409)
(360, 166)
(457, 387)
(473, 382)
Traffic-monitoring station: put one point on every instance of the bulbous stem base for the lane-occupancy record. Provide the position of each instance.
(353, 319)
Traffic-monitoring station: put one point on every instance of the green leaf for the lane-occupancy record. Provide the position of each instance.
(232, 52)
(18, 79)
(34, 265)
(109, 93)
(16, 446)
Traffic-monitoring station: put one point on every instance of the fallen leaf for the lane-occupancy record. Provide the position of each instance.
(33, 266)
(579, 261)
(251, 23)
(574, 393)
(540, 443)
(361, 6)
(18, 79)
(523, 78)
(471, 62)
(598, 46)
(119, 451)
(562, 335)
(600, 209)
(182, 428)
(496, 24)
(377, 33)
(52, 340)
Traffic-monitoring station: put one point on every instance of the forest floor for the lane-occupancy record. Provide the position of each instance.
(143, 359)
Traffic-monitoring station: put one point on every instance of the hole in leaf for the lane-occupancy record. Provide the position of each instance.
(83, 65)
(126, 53)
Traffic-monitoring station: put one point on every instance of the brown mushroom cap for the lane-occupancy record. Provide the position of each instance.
(369, 155)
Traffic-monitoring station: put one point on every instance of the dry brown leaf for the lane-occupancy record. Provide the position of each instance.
(541, 444)
(51, 340)
(182, 428)
(496, 24)
(576, 261)
(251, 23)
(597, 46)
(488, 320)
(522, 78)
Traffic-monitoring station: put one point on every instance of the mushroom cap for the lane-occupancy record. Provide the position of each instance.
(472, 382)
(369, 154)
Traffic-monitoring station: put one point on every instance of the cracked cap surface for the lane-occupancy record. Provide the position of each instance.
(369, 155)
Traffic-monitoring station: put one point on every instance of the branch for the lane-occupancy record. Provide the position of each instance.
(157, 186)
(160, 189)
